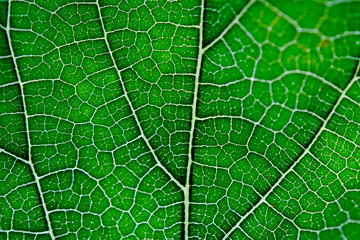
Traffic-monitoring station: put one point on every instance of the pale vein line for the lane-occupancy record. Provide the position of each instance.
(5, 56)
(351, 100)
(14, 156)
(131, 106)
(193, 120)
(323, 127)
(195, 99)
(279, 77)
(9, 84)
(38, 186)
(227, 29)
(24, 231)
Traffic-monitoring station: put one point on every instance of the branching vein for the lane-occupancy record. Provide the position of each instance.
(38, 186)
(306, 151)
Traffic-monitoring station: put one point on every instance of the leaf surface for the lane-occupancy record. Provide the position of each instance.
(179, 119)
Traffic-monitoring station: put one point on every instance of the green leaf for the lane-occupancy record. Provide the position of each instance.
(180, 119)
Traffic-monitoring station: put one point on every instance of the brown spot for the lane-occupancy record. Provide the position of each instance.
(324, 43)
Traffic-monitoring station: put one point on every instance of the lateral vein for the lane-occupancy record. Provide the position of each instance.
(306, 151)
(227, 29)
(131, 106)
(38, 186)
(14, 156)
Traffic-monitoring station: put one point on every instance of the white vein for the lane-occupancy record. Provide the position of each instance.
(46, 212)
(227, 29)
(283, 176)
(194, 105)
(193, 120)
(14, 156)
(132, 108)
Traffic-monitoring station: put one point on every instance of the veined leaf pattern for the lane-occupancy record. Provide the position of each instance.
(144, 119)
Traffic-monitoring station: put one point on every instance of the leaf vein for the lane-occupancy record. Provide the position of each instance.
(294, 164)
(38, 186)
(132, 108)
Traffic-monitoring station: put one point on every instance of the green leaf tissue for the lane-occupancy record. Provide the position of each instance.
(182, 119)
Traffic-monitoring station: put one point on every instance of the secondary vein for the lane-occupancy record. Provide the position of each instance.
(306, 151)
(38, 186)
(132, 108)
(227, 29)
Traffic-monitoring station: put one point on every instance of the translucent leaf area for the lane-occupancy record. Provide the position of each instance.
(182, 119)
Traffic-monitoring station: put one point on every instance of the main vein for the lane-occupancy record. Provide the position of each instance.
(201, 52)
(37, 182)
(306, 151)
(193, 120)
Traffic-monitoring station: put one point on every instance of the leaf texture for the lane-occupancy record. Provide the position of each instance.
(143, 119)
